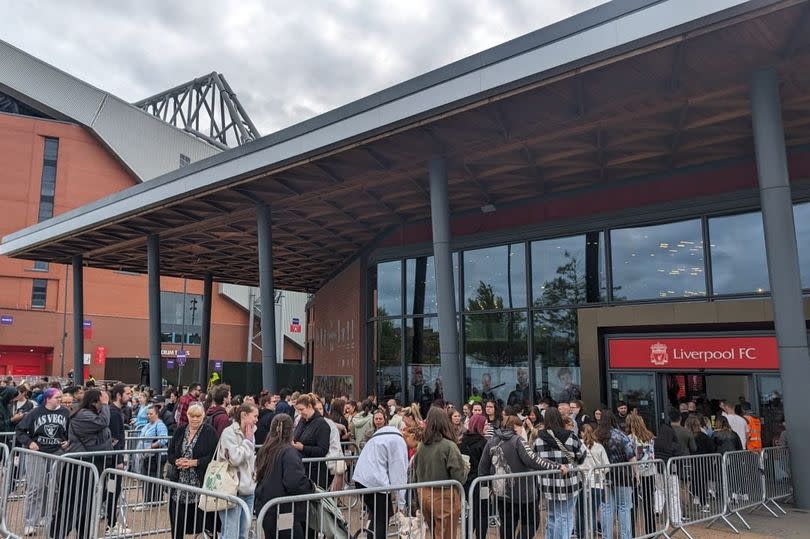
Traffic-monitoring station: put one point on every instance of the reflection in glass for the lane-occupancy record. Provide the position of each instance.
(420, 286)
(771, 408)
(801, 218)
(496, 356)
(739, 264)
(556, 354)
(389, 289)
(568, 271)
(423, 360)
(495, 278)
(389, 356)
(661, 261)
(637, 390)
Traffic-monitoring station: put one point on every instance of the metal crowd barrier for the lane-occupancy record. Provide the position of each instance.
(778, 485)
(612, 493)
(321, 471)
(695, 492)
(744, 483)
(55, 499)
(153, 507)
(8, 438)
(436, 506)
(136, 442)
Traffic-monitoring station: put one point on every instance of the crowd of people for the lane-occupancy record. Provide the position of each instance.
(264, 439)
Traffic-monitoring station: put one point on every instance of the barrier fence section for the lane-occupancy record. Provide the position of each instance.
(155, 507)
(744, 482)
(8, 438)
(143, 442)
(778, 485)
(631, 498)
(404, 511)
(4, 467)
(333, 474)
(695, 491)
(49, 496)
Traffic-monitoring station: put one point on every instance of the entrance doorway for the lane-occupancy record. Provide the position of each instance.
(707, 390)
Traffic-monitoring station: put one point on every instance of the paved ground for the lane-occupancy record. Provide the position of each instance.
(763, 526)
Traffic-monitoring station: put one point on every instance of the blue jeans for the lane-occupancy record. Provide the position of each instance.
(620, 498)
(235, 522)
(560, 520)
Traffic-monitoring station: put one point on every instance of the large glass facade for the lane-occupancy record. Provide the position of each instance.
(177, 326)
(568, 271)
(659, 261)
(518, 322)
(739, 264)
(495, 278)
(496, 356)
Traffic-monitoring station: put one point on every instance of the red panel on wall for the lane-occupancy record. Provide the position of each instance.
(724, 353)
(24, 361)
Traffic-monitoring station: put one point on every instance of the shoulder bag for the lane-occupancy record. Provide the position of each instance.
(219, 479)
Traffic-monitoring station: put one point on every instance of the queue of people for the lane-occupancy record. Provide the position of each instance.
(480, 439)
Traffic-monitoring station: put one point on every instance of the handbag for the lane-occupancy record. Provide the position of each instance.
(219, 479)
(411, 527)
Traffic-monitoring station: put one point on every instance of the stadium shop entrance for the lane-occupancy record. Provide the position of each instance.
(656, 374)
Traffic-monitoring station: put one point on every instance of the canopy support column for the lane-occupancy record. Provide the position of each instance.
(783, 267)
(267, 297)
(153, 269)
(205, 338)
(451, 372)
(78, 321)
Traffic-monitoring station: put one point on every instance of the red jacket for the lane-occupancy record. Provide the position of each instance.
(217, 417)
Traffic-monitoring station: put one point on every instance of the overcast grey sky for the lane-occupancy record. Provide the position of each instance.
(286, 60)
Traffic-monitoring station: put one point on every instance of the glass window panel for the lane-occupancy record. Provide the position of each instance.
(423, 361)
(660, 261)
(171, 313)
(45, 209)
(51, 149)
(568, 271)
(420, 285)
(389, 355)
(48, 179)
(39, 293)
(739, 264)
(801, 218)
(495, 277)
(496, 356)
(389, 289)
(556, 354)
(39, 265)
(638, 391)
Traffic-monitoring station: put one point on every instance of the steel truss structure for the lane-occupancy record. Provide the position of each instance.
(206, 107)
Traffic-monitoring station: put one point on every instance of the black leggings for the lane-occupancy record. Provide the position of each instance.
(380, 510)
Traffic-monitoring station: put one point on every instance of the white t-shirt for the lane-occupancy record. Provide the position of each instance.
(739, 425)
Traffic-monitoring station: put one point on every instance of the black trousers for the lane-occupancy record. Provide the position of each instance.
(74, 502)
(380, 510)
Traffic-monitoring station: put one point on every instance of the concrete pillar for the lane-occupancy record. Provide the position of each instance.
(451, 372)
(153, 268)
(205, 338)
(78, 321)
(783, 268)
(266, 297)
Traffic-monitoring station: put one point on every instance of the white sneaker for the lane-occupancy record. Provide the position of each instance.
(29, 530)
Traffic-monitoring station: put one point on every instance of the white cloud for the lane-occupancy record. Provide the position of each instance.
(287, 60)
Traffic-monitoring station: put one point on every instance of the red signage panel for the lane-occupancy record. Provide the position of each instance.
(724, 353)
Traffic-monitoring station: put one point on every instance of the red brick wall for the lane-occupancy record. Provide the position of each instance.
(335, 328)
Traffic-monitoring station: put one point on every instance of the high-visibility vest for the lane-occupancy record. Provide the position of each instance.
(754, 434)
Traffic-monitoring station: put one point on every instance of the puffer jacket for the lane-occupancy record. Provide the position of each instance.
(241, 454)
(520, 458)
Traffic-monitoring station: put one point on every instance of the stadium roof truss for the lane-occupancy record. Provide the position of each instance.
(206, 107)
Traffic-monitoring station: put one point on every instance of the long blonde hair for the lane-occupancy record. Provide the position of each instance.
(638, 429)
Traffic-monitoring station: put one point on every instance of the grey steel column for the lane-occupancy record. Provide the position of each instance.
(153, 267)
(266, 297)
(450, 371)
(78, 321)
(783, 268)
(205, 338)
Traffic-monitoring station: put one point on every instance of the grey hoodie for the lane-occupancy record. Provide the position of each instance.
(520, 458)
(90, 431)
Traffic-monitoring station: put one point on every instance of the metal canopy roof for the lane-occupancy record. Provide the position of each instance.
(614, 94)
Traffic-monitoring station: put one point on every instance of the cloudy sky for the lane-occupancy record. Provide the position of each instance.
(287, 60)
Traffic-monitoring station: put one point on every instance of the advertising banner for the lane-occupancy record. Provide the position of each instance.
(685, 353)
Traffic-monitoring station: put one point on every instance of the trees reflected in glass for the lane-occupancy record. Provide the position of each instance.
(495, 278)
